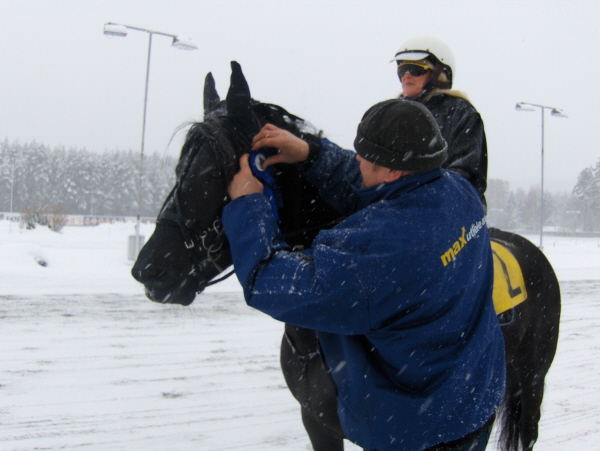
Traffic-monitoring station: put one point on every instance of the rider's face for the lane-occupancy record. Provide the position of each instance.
(413, 86)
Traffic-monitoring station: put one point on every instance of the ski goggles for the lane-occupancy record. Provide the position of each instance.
(415, 69)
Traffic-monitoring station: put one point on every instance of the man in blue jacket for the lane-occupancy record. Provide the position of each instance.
(400, 291)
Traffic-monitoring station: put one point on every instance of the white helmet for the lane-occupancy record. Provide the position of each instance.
(422, 47)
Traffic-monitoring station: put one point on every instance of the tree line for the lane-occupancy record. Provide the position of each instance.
(34, 177)
(577, 211)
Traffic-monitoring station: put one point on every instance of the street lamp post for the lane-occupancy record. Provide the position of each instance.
(180, 42)
(523, 106)
(12, 183)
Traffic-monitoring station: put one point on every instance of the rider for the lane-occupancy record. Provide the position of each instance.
(426, 69)
(399, 291)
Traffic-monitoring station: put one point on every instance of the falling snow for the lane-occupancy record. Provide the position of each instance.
(87, 362)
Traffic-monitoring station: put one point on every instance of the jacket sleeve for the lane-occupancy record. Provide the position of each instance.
(336, 174)
(317, 289)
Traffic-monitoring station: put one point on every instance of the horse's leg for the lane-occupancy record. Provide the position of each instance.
(321, 437)
(307, 378)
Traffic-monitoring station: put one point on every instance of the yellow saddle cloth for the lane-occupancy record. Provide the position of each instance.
(509, 286)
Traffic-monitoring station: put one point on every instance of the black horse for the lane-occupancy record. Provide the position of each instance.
(189, 249)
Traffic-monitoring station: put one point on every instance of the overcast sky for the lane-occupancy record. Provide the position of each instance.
(62, 82)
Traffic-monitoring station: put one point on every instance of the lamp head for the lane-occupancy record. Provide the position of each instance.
(112, 29)
(557, 113)
(181, 42)
(520, 107)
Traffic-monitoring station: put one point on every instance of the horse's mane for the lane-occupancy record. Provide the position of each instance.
(217, 135)
(281, 118)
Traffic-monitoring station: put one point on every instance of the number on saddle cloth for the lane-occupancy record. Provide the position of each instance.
(271, 190)
(509, 285)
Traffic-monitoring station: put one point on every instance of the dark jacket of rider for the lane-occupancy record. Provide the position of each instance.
(462, 128)
(399, 292)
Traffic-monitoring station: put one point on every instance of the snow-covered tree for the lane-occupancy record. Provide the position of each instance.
(81, 182)
(587, 190)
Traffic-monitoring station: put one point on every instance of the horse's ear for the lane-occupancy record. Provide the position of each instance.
(238, 96)
(211, 96)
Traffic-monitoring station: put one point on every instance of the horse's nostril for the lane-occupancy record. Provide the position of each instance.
(147, 274)
(156, 273)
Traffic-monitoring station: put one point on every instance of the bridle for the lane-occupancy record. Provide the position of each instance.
(190, 229)
(213, 234)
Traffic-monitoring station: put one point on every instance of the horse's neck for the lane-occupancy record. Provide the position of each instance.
(304, 212)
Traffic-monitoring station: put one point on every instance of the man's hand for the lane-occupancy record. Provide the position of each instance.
(244, 183)
(291, 148)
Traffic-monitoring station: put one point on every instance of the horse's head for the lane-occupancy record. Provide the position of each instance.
(188, 247)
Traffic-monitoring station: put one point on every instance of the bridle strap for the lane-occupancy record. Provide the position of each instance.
(186, 226)
(220, 279)
(171, 219)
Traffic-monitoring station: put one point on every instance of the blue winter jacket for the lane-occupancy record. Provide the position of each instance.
(400, 293)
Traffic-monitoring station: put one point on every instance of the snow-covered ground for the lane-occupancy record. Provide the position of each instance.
(86, 362)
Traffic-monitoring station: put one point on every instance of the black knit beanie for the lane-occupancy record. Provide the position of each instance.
(402, 135)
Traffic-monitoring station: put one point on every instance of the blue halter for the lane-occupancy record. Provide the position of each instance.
(271, 190)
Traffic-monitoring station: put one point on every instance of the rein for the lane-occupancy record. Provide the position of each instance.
(187, 225)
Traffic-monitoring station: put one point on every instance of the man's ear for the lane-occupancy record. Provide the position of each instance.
(394, 175)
